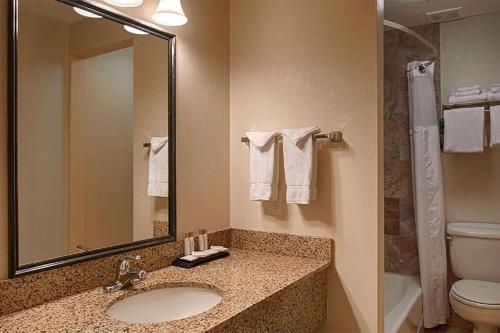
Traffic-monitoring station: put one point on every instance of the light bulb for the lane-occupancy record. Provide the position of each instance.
(125, 3)
(169, 12)
(85, 13)
(134, 30)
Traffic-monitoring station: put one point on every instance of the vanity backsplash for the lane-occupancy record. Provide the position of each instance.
(32, 290)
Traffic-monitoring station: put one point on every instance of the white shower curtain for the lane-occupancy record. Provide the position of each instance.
(428, 194)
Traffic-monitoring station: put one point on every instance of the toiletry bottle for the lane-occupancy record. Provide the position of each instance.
(191, 241)
(205, 239)
(201, 241)
(188, 249)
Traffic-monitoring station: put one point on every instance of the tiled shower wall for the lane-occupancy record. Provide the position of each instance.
(400, 238)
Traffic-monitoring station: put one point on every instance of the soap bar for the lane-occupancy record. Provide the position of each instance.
(200, 254)
(189, 258)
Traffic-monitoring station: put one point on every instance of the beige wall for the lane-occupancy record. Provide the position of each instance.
(469, 55)
(202, 117)
(305, 63)
(43, 105)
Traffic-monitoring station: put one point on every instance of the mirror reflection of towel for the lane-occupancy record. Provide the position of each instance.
(158, 167)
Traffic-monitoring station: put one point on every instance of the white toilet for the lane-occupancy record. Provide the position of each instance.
(475, 258)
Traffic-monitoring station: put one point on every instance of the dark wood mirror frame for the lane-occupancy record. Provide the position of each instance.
(15, 269)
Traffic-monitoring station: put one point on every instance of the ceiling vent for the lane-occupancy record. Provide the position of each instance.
(445, 15)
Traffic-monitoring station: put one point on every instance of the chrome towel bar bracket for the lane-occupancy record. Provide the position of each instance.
(333, 137)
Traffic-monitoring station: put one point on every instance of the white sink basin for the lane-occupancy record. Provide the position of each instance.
(165, 304)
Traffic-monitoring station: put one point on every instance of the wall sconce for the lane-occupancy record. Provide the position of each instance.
(125, 3)
(169, 12)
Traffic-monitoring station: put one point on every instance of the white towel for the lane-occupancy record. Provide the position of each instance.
(496, 84)
(464, 130)
(495, 89)
(495, 126)
(299, 150)
(158, 167)
(264, 163)
(477, 86)
(468, 99)
(467, 93)
(493, 96)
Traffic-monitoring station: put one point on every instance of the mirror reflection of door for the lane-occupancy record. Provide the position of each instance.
(101, 149)
(89, 95)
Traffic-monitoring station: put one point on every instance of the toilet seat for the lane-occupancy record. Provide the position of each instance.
(481, 294)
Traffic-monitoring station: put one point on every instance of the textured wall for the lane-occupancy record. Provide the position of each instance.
(400, 239)
(472, 181)
(304, 63)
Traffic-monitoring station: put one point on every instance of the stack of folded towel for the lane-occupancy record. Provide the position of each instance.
(494, 93)
(464, 95)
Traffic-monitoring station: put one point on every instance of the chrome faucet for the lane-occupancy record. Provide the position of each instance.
(124, 277)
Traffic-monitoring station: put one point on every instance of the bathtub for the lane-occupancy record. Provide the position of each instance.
(402, 303)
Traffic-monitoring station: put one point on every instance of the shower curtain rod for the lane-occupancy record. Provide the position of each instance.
(417, 36)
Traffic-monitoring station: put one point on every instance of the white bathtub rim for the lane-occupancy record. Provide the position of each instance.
(395, 318)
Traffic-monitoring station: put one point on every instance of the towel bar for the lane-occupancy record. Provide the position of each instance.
(334, 137)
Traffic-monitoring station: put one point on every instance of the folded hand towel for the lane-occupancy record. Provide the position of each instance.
(467, 93)
(495, 126)
(263, 166)
(299, 149)
(464, 130)
(468, 99)
(493, 96)
(158, 167)
(496, 84)
(477, 86)
(495, 89)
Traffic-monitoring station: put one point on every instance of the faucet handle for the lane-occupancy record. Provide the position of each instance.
(141, 276)
(124, 265)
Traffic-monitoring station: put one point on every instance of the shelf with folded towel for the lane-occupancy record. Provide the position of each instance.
(485, 104)
(473, 126)
(334, 137)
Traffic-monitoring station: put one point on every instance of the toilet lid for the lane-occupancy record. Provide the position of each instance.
(480, 293)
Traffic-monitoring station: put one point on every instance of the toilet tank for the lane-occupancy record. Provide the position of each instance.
(475, 250)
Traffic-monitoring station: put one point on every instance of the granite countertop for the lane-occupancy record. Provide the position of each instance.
(244, 279)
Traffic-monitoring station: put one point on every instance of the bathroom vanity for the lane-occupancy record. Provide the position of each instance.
(260, 292)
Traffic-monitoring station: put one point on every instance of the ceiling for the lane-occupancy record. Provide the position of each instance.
(411, 13)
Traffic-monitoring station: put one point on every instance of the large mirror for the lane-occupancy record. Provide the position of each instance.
(91, 136)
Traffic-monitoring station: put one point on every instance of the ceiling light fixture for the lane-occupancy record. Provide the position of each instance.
(86, 13)
(125, 3)
(134, 30)
(169, 12)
